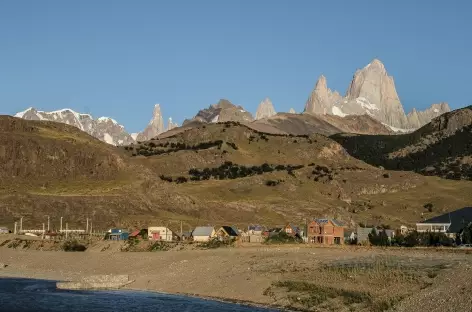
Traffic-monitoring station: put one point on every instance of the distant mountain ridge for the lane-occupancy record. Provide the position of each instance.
(104, 128)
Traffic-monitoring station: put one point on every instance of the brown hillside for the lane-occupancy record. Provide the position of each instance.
(324, 124)
(443, 147)
(220, 173)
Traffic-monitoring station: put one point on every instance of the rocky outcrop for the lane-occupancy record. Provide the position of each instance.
(319, 100)
(104, 128)
(372, 91)
(155, 126)
(171, 125)
(417, 119)
(265, 109)
(223, 111)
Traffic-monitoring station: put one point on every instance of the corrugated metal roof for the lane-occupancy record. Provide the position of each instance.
(203, 231)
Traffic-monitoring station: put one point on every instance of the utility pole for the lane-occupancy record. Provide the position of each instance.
(181, 229)
(86, 229)
(91, 227)
(15, 232)
(60, 230)
(42, 236)
(67, 230)
(21, 225)
(48, 223)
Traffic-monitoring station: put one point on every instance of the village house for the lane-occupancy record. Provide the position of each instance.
(117, 234)
(291, 230)
(203, 233)
(362, 234)
(161, 233)
(255, 229)
(325, 231)
(226, 232)
(450, 223)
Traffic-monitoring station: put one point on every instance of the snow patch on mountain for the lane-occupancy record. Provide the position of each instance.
(338, 112)
(107, 138)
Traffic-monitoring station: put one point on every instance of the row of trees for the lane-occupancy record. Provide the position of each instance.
(412, 239)
(152, 149)
(228, 170)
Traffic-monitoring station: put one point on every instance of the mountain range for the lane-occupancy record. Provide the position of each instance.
(371, 92)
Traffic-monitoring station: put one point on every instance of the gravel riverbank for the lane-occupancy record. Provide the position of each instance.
(256, 274)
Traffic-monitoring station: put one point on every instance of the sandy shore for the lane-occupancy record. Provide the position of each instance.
(233, 274)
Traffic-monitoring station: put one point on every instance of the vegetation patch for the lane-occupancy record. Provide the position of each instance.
(216, 243)
(228, 170)
(152, 148)
(282, 238)
(160, 246)
(73, 245)
(308, 295)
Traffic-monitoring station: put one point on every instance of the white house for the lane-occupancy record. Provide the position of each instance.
(161, 233)
(203, 233)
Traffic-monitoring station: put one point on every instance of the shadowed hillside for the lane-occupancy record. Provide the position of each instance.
(443, 147)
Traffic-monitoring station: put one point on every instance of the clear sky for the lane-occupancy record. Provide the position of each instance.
(119, 58)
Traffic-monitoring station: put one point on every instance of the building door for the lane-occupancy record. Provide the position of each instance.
(156, 236)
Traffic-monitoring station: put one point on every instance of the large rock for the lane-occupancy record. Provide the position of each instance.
(265, 109)
(155, 126)
(104, 128)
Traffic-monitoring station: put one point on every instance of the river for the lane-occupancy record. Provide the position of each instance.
(41, 295)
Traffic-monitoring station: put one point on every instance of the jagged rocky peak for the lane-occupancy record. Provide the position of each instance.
(417, 119)
(104, 128)
(155, 126)
(319, 100)
(223, 111)
(372, 91)
(292, 111)
(171, 125)
(265, 109)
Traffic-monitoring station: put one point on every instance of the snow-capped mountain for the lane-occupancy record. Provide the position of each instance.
(104, 128)
(372, 91)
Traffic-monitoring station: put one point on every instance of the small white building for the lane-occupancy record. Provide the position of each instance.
(161, 233)
(203, 233)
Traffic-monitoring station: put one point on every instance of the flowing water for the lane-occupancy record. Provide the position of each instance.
(41, 295)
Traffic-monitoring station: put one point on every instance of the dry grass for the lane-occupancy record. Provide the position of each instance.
(355, 285)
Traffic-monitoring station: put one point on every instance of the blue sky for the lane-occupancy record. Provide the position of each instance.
(119, 58)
